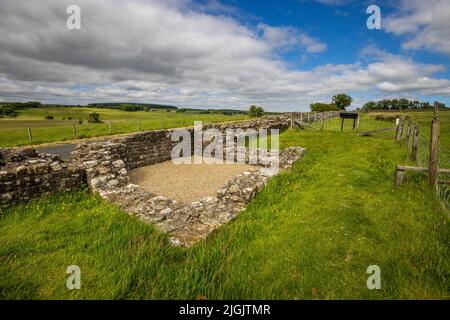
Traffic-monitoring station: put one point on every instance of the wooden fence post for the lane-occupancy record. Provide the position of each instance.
(30, 135)
(74, 130)
(408, 134)
(110, 127)
(434, 146)
(415, 144)
(292, 121)
(322, 121)
(399, 177)
(399, 130)
(357, 122)
(301, 117)
(411, 133)
(140, 127)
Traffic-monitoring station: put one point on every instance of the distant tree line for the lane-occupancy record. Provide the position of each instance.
(22, 105)
(228, 112)
(399, 104)
(132, 106)
(8, 109)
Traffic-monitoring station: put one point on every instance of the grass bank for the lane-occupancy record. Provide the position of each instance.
(311, 234)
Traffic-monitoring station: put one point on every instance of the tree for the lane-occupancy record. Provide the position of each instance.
(342, 100)
(256, 111)
(369, 106)
(441, 106)
(7, 111)
(425, 105)
(94, 117)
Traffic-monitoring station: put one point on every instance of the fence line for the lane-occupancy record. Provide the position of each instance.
(106, 127)
(305, 119)
(431, 157)
(78, 130)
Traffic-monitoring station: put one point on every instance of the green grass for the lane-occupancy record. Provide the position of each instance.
(13, 131)
(318, 226)
(423, 120)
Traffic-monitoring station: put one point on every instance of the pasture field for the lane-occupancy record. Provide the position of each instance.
(423, 120)
(13, 131)
(310, 234)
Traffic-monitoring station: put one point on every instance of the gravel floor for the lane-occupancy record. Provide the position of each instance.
(185, 182)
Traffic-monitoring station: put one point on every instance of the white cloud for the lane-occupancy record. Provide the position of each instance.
(424, 24)
(167, 52)
(287, 38)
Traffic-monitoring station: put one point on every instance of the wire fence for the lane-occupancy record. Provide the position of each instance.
(425, 147)
(423, 160)
(443, 185)
(24, 132)
(423, 150)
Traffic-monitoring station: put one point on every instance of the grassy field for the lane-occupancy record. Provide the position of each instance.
(13, 131)
(310, 234)
(423, 120)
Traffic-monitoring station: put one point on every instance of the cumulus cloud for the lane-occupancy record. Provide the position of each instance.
(176, 52)
(424, 24)
(287, 38)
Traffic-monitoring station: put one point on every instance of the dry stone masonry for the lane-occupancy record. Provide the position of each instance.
(26, 174)
(189, 222)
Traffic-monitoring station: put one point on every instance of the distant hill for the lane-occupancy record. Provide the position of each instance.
(132, 106)
(124, 106)
(211, 111)
(152, 106)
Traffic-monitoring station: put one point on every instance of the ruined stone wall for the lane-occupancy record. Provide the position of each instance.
(145, 148)
(150, 147)
(187, 223)
(26, 174)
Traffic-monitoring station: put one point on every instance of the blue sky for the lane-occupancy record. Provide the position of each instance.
(283, 55)
(341, 26)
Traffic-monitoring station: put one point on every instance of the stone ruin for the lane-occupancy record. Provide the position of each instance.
(185, 222)
(26, 174)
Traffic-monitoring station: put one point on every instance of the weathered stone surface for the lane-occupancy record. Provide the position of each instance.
(119, 164)
(99, 182)
(90, 164)
(188, 223)
(113, 182)
(26, 174)
(55, 166)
